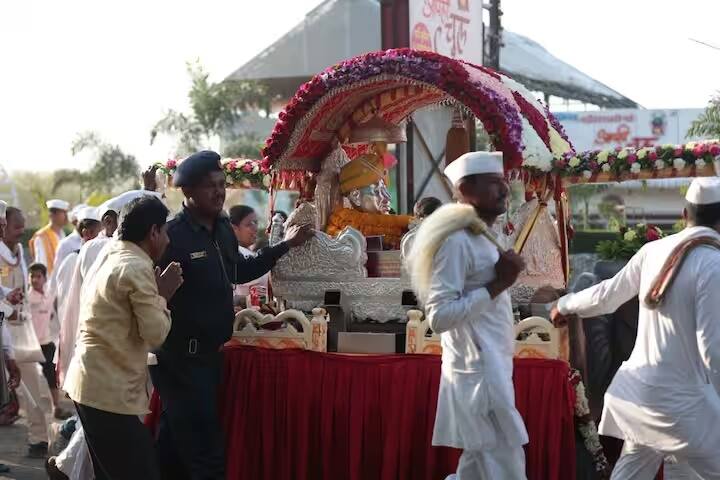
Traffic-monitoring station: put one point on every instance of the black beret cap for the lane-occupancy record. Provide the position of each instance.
(191, 170)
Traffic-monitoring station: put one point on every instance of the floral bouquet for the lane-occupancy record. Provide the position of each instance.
(629, 242)
(239, 172)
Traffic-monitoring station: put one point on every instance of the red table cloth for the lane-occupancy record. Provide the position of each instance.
(295, 414)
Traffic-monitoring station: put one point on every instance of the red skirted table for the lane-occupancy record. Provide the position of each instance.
(295, 414)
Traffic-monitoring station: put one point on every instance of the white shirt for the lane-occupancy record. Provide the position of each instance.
(67, 245)
(244, 289)
(7, 343)
(476, 403)
(89, 253)
(70, 315)
(68, 312)
(665, 396)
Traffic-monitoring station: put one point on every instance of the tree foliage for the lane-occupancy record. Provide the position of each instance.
(708, 123)
(580, 195)
(215, 109)
(110, 169)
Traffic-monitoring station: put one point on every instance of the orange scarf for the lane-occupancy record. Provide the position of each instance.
(50, 241)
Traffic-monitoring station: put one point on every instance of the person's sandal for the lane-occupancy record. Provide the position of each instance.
(38, 450)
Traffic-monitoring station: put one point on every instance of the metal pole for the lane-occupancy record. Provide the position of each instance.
(494, 37)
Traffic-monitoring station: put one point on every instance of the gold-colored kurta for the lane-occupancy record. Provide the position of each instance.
(122, 318)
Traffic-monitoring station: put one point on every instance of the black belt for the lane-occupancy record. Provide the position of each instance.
(191, 348)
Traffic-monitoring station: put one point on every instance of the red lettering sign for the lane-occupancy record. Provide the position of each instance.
(619, 136)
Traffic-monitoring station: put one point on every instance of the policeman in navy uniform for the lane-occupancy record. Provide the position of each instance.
(189, 368)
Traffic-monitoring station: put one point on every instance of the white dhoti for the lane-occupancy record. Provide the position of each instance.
(75, 461)
(672, 470)
(30, 399)
(504, 462)
(639, 462)
(477, 412)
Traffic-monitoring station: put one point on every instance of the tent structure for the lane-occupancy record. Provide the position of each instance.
(341, 29)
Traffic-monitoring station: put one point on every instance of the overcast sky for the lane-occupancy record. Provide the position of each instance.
(115, 67)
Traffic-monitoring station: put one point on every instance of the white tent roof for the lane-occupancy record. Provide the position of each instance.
(341, 29)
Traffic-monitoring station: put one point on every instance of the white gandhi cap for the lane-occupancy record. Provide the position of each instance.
(88, 213)
(57, 204)
(116, 204)
(475, 163)
(74, 212)
(704, 191)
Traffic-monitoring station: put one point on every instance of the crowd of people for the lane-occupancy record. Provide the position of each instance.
(130, 292)
(98, 310)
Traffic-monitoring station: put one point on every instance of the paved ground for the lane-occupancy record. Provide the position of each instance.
(13, 448)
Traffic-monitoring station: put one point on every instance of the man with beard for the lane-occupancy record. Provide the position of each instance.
(188, 370)
(462, 278)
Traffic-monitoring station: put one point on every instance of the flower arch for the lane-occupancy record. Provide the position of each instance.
(395, 83)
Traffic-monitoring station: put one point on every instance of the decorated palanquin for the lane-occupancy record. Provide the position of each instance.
(331, 144)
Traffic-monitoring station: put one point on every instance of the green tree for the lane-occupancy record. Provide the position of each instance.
(111, 168)
(708, 123)
(582, 194)
(215, 109)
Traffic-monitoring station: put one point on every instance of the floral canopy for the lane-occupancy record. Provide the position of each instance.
(395, 83)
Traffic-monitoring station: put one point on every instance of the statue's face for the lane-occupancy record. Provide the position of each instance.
(372, 199)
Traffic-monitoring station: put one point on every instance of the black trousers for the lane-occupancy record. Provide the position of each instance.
(190, 441)
(48, 366)
(121, 447)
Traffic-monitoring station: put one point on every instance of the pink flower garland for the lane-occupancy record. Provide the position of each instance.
(500, 118)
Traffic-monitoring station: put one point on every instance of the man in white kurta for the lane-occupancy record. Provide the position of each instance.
(664, 399)
(72, 242)
(467, 303)
(108, 213)
(88, 228)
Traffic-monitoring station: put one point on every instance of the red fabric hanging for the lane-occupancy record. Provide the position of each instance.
(546, 400)
(295, 414)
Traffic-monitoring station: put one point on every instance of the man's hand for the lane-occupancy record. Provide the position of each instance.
(297, 236)
(149, 180)
(557, 318)
(14, 371)
(169, 281)
(507, 269)
(15, 297)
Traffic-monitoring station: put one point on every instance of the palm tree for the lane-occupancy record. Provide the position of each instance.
(708, 123)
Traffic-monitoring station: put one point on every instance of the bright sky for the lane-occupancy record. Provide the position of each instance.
(115, 67)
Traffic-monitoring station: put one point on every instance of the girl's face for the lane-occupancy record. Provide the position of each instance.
(246, 231)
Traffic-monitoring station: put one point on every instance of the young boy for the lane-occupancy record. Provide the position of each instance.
(40, 305)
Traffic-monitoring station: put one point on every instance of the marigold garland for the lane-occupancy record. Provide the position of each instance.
(392, 227)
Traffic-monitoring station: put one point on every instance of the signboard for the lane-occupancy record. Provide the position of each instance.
(604, 129)
(453, 28)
